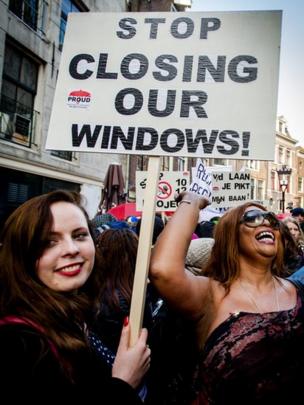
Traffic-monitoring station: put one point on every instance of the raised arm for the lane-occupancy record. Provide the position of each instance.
(179, 287)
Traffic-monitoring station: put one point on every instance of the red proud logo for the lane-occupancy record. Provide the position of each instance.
(79, 99)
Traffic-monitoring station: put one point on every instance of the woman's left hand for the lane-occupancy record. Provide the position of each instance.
(132, 363)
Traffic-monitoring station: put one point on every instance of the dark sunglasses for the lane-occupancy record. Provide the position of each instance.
(255, 218)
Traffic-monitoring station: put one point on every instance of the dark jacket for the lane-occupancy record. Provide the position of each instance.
(28, 367)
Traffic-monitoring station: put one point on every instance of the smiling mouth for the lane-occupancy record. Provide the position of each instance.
(70, 269)
(265, 236)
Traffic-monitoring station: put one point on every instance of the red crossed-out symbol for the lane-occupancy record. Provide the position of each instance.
(164, 190)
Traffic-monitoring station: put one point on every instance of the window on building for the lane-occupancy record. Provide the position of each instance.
(253, 164)
(180, 164)
(67, 6)
(27, 10)
(165, 162)
(17, 193)
(221, 162)
(62, 154)
(281, 155)
(252, 189)
(142, 163)
(260, 190)
(272, 179)
(300, 184)
(288, 157)
(19, 86)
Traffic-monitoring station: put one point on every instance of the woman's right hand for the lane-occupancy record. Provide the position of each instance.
(132, 363)
(192, 197)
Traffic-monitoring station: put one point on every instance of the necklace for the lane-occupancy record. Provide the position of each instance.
(253, 301)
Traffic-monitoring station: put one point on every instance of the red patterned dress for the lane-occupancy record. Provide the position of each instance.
(255, 359)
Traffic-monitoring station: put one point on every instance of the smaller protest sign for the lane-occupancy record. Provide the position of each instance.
(169, 184)
(230, 189)
(201, 181)
(224, 189)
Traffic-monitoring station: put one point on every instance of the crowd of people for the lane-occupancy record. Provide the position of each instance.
(223, 318)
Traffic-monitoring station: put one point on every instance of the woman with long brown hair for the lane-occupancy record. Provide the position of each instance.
(249, 320)
(49, 290)
(116, 250)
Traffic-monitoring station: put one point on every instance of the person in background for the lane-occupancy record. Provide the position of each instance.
(166, 381)
(157, 229)
(296, 231)
(198, 254)
(116, 250)
(132, 221)
(298, 214)
(101, 222)
(296, 272)
(49, 290)
(205, 229)
(249, 320)
(119, 224)
(293, 258)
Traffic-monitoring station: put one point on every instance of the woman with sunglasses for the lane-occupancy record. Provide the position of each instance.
(249, 320)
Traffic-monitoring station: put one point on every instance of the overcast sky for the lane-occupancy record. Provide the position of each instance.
(291, 80)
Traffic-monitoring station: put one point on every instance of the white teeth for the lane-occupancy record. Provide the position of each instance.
(70, 268)
(265, 234)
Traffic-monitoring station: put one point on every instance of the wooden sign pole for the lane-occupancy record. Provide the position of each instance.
(144, 250)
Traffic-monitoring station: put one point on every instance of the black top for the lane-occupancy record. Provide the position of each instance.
(29, 366)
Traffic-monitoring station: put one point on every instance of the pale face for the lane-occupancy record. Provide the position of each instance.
(299, 218)
(259, 242)
(294, 230)
(67, 262)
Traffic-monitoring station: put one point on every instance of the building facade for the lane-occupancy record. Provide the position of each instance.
(31, 38)
(282, 177)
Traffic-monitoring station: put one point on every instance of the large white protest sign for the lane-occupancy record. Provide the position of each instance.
(169, 184)
(183, 84)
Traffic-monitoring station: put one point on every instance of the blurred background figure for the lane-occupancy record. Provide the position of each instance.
(170, 337)
(296, 231)
(158, 227)
(101, 222)
(295, 263)
(132, 221)
(205, 229)
(198, 254)
(293, 257)
(298, 213)
(116, 250)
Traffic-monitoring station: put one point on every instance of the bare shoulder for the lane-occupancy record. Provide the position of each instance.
(287, 294)
(287, 285)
